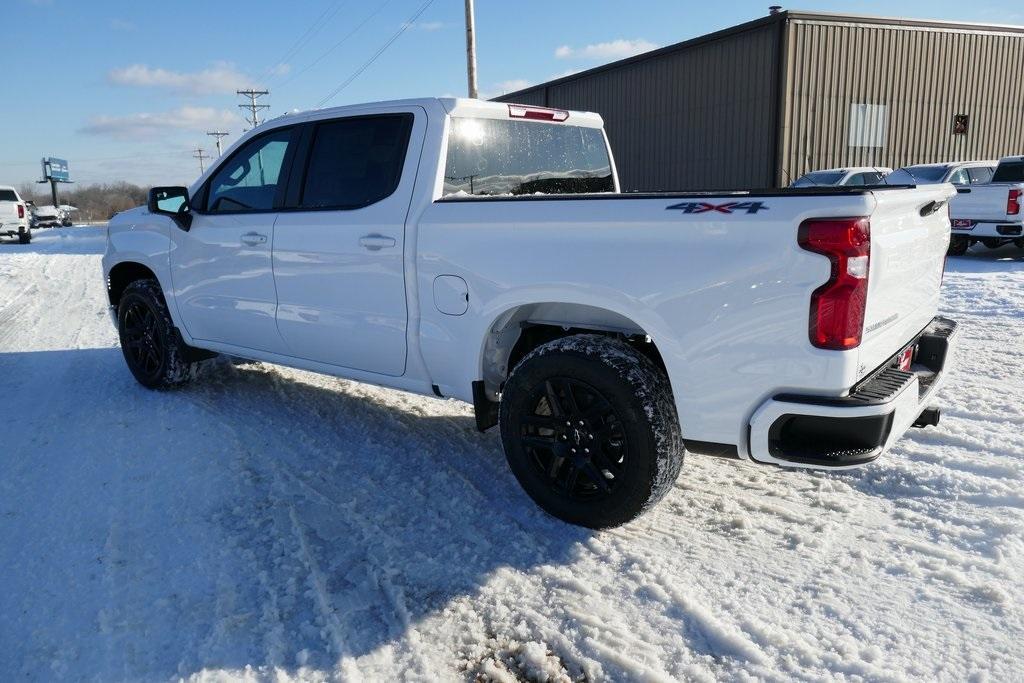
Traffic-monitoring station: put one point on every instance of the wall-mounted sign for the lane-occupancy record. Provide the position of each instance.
(56, 169)
(960, 124)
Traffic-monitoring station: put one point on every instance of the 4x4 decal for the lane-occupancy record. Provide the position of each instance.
(728, 207)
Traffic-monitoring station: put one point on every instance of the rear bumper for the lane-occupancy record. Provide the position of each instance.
(991, 229)
(837, 432)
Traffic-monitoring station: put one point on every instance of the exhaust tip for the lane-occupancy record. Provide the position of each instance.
(929, 417)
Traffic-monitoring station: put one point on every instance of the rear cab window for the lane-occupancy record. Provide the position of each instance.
(501, 157)
(8, 196)
(1009, 172)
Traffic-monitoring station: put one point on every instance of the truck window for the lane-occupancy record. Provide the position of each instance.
(1009, 172)
(960, 177)
(980, 175)
(502, 157)
(248, 180)
(816, 178)
(355, 162)
(8, 196)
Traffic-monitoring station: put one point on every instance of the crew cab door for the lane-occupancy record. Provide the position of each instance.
(338, 250)
(221, 267)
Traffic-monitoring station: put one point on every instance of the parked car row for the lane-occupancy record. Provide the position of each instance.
(50, 216)
(987, 208)
(19, 216)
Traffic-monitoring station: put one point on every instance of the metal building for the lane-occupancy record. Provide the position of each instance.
(759, 104)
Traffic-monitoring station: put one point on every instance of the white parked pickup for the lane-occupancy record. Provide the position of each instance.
(14, 215)
(483, 251)
(990, 213)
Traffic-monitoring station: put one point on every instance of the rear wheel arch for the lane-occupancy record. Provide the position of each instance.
(512, 335)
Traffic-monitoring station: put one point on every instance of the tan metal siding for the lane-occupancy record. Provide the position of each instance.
(923, 75)
(702, 117)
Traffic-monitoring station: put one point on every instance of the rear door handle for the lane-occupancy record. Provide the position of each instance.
(253, 238)
(376, 242)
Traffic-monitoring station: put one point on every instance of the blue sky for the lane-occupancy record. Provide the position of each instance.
(124, 90)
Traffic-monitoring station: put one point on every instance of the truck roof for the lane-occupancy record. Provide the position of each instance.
(950, 164)
(454, 106)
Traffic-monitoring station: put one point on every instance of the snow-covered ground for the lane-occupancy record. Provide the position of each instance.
(267, 523)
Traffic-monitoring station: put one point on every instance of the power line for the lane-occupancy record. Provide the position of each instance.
(318, 24)
(338, 44)
(252, 106)
(409, 22)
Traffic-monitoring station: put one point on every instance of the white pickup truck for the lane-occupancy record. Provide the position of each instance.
(14, 215)
(483, 251)
(990, 213)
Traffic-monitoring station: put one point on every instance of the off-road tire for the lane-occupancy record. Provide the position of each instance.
(958, 245)
(644, 453)
(166, 360)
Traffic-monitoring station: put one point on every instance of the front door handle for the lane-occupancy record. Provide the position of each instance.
(253, 238)
(376, 242)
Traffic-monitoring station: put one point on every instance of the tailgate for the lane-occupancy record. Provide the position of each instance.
(908, 252)
(8, 211)
(981, 203)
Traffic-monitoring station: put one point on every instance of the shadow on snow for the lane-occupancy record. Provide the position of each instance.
(249, 519)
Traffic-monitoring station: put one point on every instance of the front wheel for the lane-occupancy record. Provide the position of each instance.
(152, 347)
(590, 430)
(992, 242)
(958, 245)
(1019, 243)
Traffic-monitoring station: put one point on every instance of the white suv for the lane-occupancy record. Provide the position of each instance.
(14, 215)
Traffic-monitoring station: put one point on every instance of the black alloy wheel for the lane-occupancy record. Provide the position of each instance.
(590, 430)
(141, 340)
(153, 349)
(575, 439)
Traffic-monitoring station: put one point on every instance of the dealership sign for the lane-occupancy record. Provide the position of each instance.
(56, 169)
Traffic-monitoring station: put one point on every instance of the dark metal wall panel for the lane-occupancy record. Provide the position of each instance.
(922, 74)
(700, 117)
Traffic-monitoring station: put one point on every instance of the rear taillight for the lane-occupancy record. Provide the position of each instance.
(21, 210)
(1013, 203)
(520, 111)
(837, 307)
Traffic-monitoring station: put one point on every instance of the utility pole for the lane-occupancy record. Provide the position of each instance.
(198, 154)
(218, 134)
(252, 106)
(471, 49)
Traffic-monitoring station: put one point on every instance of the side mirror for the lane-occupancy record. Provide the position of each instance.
(173, 202)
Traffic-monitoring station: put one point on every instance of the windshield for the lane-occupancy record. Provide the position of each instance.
(1009, 172)
(819, 178)
(917, 175)
(501, 157)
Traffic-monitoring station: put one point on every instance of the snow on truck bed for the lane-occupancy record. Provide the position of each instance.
(270, 523)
